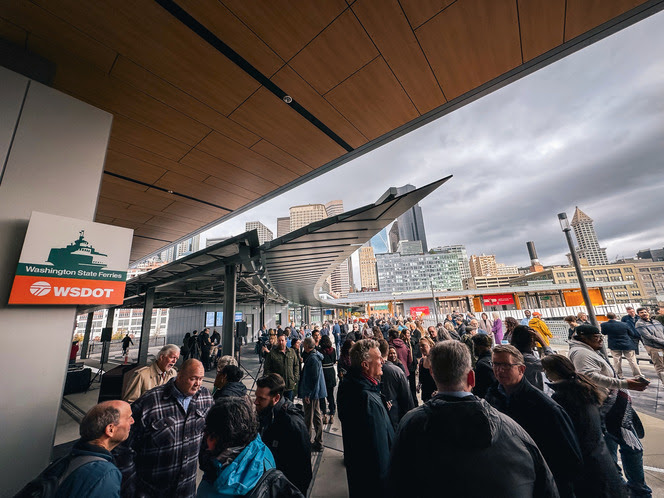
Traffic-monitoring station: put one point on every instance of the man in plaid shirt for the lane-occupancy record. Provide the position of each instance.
(160, 458)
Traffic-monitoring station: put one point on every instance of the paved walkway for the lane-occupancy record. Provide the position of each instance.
(329, 471)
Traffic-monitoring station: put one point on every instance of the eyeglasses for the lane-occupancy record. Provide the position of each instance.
(505, 366)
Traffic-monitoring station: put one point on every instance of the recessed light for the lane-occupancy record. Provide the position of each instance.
(288, 99)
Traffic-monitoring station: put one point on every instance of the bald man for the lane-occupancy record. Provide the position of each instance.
(92, 471)
(161, 456)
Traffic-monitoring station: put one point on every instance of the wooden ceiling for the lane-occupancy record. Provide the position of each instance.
(196, 87)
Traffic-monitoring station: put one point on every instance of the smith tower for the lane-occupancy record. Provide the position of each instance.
(587, 239)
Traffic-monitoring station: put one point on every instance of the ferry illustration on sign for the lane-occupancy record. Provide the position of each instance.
(78, 254)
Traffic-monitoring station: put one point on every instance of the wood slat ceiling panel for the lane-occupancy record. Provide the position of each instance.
(465, 54)
(12, 33)
(542, 25)
(121, 190)
(282, 157)
(143, 155)
(43, 24)
(286, 25)
(144, 32)
(389, 29)
(132, 168)
(142, 246)
(291, 82)
(227, 27)
(145, 81)
(584, 15)
(112, 95)
(135, 133)
(275, 121)
(420, 11)
(227, 150)
(208, 193)
(159, 233)
(223, 184)
(201, 161)
(115, 209)
(190, 209)
(167, 222)
(373, 100)
(182, 216)
(340, 50)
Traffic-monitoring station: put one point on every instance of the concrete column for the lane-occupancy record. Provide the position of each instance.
(262, 313)
(52, 150)
(86, 336)
(109, 323)
(228, 329)
(144, 343)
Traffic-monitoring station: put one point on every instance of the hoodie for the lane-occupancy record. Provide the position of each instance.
(240, 476)
(231, 389)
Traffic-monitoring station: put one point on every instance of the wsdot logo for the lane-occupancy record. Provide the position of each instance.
(40, 288)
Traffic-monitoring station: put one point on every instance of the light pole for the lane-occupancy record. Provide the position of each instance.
(435, 305)
(564, 224)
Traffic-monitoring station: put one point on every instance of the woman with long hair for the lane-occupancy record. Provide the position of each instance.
(426, 385)
(510, 324)
(581, 400)
(413, 355)
(344, 358)
(329, 360)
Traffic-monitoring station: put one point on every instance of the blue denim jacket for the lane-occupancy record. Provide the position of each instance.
(312, 382)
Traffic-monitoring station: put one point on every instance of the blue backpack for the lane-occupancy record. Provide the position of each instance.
(46, 484)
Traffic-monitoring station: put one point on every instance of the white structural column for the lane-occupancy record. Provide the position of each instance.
(52, 150)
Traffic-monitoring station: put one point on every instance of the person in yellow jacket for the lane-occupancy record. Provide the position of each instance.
(536, 323)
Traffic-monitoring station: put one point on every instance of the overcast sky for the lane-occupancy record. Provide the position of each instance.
(587, 130)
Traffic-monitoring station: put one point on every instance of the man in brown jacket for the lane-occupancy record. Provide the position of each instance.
(159, 372)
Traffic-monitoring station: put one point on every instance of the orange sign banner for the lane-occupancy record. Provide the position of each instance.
(53, 290)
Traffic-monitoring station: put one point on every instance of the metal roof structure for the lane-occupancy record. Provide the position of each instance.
(290, 268)
(298, 263)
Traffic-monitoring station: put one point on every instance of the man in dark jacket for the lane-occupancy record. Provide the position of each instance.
(484, 377)
(394, 387)
(456, 432)
(283, 430)
(311, 389)
(94, 473)
(623, 342)
(283, 361)
(230, 379)
(542, 418)
(366, 426)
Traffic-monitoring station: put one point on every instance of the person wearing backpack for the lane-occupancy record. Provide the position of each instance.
(89, 470)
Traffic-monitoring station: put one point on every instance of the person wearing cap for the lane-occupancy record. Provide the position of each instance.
(623, 426)
(538, 325)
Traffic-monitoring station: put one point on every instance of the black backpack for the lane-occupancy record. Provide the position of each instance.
(46, 484)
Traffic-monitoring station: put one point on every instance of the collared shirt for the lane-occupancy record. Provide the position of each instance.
(455, 394)
(160, 458)
(183, 399)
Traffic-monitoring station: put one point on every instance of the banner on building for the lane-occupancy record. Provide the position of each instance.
(499, 300)
(418, 311)
(70, 261)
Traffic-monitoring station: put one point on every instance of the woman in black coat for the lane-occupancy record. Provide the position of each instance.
(329, 360)
(581, 400)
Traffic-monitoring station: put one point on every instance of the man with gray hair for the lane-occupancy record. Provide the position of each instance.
(156, 374)
(91, 471)
(455, 431)
(366, 426)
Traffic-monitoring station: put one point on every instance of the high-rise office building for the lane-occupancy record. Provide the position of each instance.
(483, 265)
(188, 246)
(397, 273)
(264, 233)
(411, 223)
(409, 247)
(368, 274)
(301, 216)
(459, 251)
(380, 242)
(586, 237)
(334, 208)
(283, 226)
(503, 269)
(394, 236)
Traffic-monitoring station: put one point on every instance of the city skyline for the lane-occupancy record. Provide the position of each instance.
(584, 131)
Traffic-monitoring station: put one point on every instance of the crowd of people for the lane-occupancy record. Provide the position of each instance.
(476, 407)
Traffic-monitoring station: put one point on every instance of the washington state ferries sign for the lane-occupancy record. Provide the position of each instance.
(70, 261)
